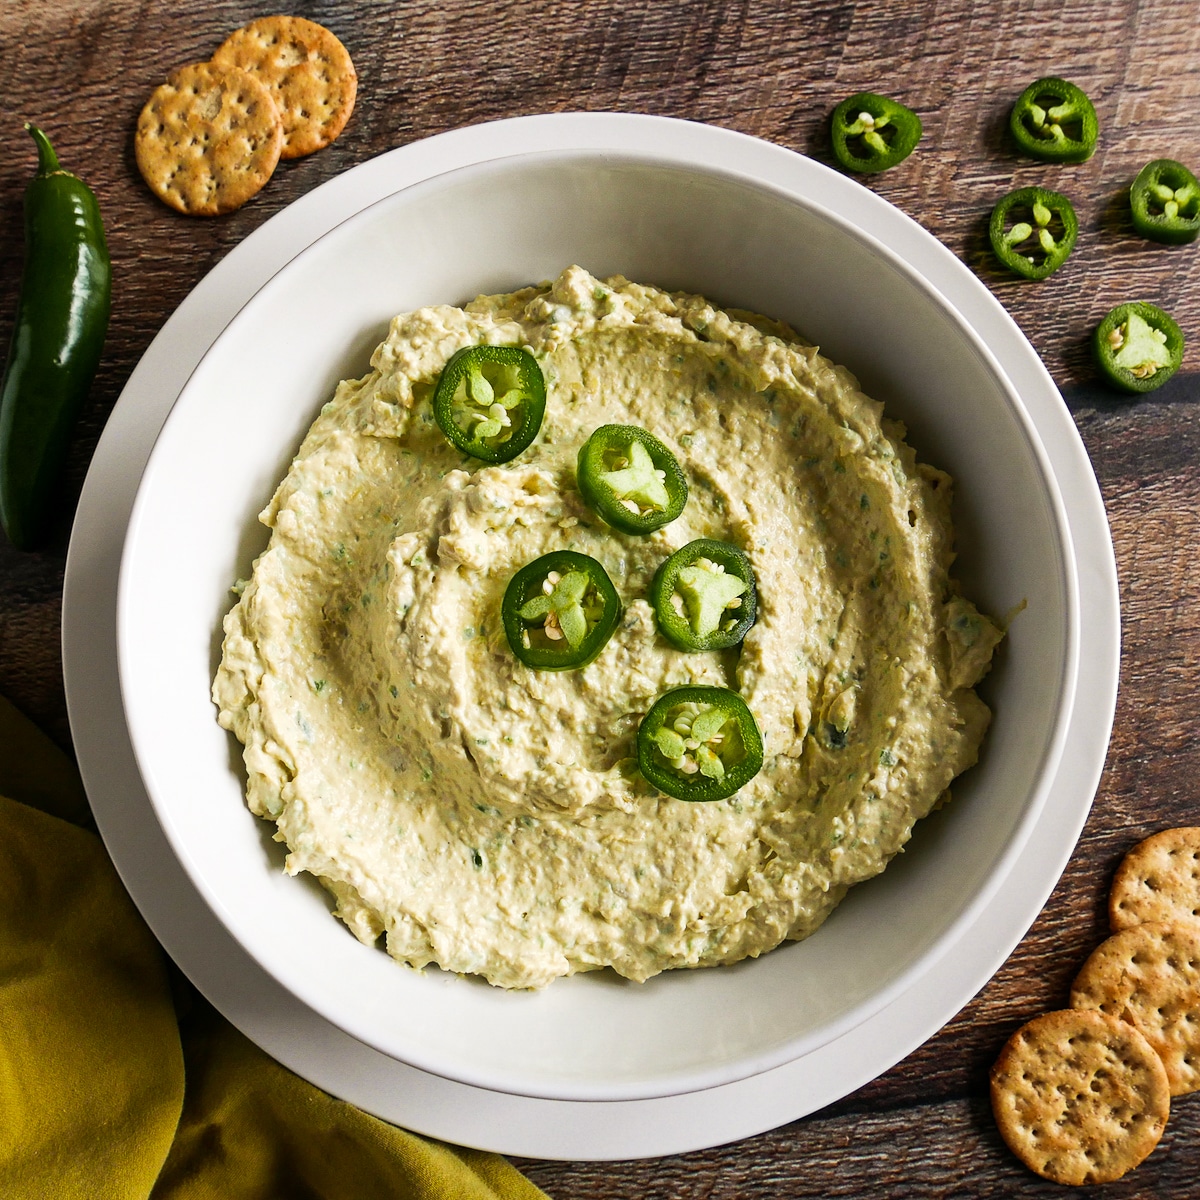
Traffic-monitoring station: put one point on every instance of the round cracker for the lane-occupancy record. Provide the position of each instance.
(1079, 1096)
(208, 139)
(1149, 975)
(1158, 880)
(308, 70)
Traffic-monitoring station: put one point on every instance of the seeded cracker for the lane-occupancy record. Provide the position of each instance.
(308, 71)
(1158, 880)
(1080, 1096)
(1149, 975)
(208, 139)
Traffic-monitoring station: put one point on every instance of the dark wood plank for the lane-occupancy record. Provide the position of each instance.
(773, 69)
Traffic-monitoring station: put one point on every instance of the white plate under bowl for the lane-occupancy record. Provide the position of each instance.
(266, 1012)
(680, 224)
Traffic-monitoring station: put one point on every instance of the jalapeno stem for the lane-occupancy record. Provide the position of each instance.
(47, 158)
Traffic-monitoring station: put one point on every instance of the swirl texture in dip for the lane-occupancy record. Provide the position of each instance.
(490, 818)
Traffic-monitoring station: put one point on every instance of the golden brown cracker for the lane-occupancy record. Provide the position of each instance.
(1080, 1096)
(308, 70)
(208, 139)
(1149, 975)
(1158, 880)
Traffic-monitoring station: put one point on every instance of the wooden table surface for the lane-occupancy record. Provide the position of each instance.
(774, 68)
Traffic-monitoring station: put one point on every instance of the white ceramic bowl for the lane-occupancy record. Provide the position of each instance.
(490, 228)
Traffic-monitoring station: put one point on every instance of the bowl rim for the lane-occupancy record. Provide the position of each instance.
(679, 1082)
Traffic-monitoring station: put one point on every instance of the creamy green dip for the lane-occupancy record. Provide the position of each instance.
(490, 818)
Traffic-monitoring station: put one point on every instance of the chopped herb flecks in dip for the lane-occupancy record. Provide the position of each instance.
(491, 818)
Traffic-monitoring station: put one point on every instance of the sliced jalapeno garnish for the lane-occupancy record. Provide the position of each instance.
(704, 596)
(1165, 198)
(559, 611)
(1055, 121)
(1139, 347)
(872, 133)
(631, 479)
(699, 743)
(490, 401)
(1032, 231)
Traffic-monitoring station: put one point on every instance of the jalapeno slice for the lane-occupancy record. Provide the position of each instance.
(1032, 231)
(873, 133)
(559, 611)
(1055, 121)
(699, 743)
(1165, 198)
(704, 596)
(490, 401)
(631, 479)
(1138, 346)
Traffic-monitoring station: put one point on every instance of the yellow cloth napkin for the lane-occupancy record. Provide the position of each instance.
(99, 1100)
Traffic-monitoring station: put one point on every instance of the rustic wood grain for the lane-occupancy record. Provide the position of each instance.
(774, 68)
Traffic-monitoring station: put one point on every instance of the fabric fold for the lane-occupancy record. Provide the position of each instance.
(92, 1064)
(91, 1070)
(253, 1130)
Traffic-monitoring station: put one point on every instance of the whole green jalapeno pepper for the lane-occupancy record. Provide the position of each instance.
(58, 334)
(1055, 121)
(1032, 231)
(1138, 346)
(699, 743)
(1165, 200)
(873, 133)
(490, 401)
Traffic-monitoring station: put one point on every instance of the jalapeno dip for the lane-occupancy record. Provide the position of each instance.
(476, 813)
